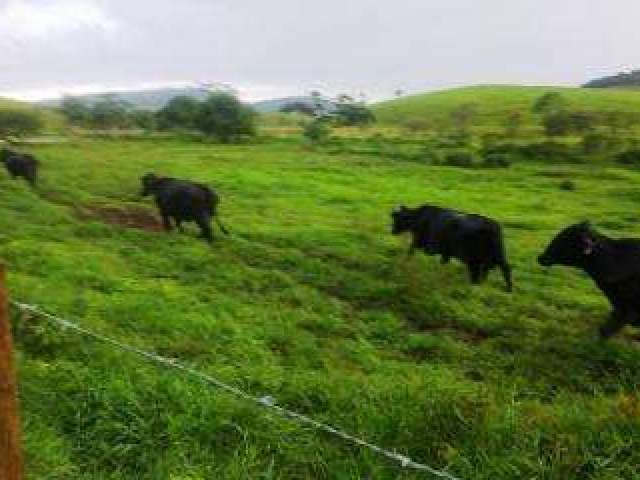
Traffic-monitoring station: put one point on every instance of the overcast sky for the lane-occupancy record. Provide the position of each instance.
(270, 48)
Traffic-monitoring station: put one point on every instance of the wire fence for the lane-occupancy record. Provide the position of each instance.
(266, 401)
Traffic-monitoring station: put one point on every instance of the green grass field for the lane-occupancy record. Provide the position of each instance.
(493, 103)
(313, 302)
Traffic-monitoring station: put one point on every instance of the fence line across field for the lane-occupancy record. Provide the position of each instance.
(265, 401)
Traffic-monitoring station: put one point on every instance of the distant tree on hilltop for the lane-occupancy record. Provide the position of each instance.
(622, 79)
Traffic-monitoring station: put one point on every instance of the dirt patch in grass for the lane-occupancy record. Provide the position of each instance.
(129, 216)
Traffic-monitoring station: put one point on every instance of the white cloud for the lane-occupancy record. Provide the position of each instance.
(25, 20)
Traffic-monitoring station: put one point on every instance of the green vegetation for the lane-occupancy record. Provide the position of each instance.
(494, 103)
(312, 301)
(19, 118)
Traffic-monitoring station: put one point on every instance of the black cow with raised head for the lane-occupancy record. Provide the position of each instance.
(183, 201)
(20, 165)
(613, 264)
(473, 239)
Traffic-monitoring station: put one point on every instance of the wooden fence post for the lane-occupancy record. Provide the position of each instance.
(11, 467)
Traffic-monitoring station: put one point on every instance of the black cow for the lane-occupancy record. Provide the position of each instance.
(20, 165)
(614, 264)
(183, 201)
(473, 239)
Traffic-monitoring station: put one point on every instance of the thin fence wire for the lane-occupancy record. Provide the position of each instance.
(266, 401)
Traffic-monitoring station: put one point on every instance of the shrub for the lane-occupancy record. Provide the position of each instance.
(459, 158)
(595, 143)
(549, 151)
(19, 122)
(497, 160)
(317, 131)
(629, 157)
(456, 140)
(556, 124)
(549, 102)
(430, 156)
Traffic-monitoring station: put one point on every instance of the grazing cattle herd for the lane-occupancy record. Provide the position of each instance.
(477, 241)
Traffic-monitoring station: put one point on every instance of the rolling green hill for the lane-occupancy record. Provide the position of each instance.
(495, 102)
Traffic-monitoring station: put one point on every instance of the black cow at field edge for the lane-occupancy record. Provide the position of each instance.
(20, 165)
(614, 264)
(183, 201)
(473, 239)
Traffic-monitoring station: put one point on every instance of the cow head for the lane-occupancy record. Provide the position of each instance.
(571, 247)
(5, 153)
(149, 183)
(402, 220)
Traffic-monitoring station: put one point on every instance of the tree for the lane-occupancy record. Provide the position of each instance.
(143, 119)
(75, 110)
(108, 112)
(348, 112)
(19, 122)
(549, 102)
(180, 112)
(225, 117)
(317, 131)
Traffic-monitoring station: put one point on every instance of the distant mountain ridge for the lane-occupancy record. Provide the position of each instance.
(623, 79)
(145, 99)
(157, 98)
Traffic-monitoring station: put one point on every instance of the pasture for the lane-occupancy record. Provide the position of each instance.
(313, 302)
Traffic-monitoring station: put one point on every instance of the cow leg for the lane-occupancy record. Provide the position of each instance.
(166, 222)
(475, 272)
(179, 225)
(204, 223)
(506, 273)
(614, 324)
(484, 271)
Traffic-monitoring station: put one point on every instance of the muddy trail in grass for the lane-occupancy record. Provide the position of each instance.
(129, 216)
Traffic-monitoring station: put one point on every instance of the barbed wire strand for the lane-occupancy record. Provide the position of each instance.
(265, 401)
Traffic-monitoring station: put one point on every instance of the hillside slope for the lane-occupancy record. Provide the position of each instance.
(495, 102)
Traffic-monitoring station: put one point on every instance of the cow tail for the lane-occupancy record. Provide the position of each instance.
(212, 203)
(501, 259)
(222, 227)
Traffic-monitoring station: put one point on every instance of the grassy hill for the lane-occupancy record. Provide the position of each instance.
(495, 102)
(313, 302)
(52, 120)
